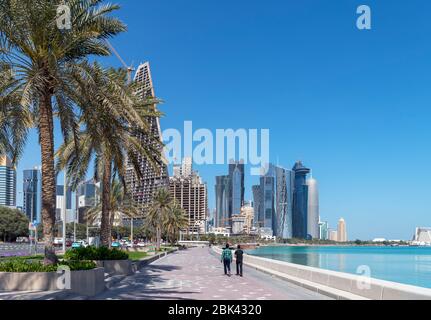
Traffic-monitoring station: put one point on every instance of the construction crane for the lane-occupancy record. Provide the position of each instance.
(129, 69)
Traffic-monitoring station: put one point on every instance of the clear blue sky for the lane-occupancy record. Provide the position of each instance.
(352, 105)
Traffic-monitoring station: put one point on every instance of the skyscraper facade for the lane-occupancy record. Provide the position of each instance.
(32, 194)
(143, 188)
(313, 209)
(257, 205)
(229, 195)
(7, 182)
(222, 191)
(86, 197)
(191, 194)
(60, 204)
(300, 202)
(323, 230)
(274, 201)
(237, 189)
(342, 231)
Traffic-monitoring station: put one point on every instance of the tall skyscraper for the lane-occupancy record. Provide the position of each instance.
(323, 230)
(222, 191)
(32, 193)
(86, 197)
(59, 204)
(229, 194)
(237, 190)
(300, 201)
(191, 194)
(342, 231)
(142, 189)
(257, 205)
(313, 209)
(7, 182)
(274, 198)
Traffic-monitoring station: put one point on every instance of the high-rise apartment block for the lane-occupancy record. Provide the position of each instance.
(32, 194)
(7, 182)
(188, 190)
(143, 188)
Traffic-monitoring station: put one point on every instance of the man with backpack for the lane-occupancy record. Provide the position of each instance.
(226, 259)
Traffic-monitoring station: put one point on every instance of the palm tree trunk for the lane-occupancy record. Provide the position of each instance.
(46, 138)
(105, 227)
(158, 237)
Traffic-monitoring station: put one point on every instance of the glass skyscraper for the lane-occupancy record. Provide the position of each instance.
(300, 202)
(229, 194)
(274, 201)
(313, 209)
(7, 182)
(222, 190)
(32, 193)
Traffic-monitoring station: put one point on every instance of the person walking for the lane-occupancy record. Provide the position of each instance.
(226, 259)
(239, 260)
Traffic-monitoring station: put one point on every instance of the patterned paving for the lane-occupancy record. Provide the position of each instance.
(196, 274)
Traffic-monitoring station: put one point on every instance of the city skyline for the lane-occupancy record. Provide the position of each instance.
(359, 116)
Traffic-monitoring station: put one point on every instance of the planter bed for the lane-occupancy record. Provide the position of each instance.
(83, 282)
(116, 267)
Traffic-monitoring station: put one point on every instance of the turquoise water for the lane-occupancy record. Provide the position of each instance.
(409, 265)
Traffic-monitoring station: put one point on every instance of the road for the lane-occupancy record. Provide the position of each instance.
(18, 249)
(196, 274)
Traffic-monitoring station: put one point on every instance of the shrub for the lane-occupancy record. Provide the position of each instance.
(92, 253)
(19, 265)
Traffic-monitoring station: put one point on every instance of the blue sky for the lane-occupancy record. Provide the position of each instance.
(352, 105)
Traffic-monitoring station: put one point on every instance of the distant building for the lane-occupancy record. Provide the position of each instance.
(229, 191)
(342, 231)
(222, 190)
(59, 204)
(313, 209)
(379, 240)
(300, 201)
(7, 182)
(191, 194)
(86, 197)
(32, 194)
(257, 205)
(323, 230)
(333, 235)
(422, 235)
(238, 224)
(248, 212)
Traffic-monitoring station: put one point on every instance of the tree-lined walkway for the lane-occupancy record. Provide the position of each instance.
(196, 274)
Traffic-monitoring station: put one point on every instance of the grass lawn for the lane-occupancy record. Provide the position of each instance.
(135, 256)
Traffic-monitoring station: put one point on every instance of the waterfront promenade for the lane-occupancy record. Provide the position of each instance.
(196, 274)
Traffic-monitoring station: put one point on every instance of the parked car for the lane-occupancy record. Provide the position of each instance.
(141, 244)
(116, 244)
(69, 243)
(58, 241)
(79, 244)
(22, 240)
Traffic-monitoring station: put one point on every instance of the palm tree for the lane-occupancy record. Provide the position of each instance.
(175, 221)
(14, 119)
(44, 59)
(158, 211)
(121, 205)
(113, 116)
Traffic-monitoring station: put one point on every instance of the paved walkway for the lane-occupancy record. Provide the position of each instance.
(196, 274)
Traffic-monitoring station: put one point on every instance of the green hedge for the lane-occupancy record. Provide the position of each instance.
(17, 265)
(92, 253)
